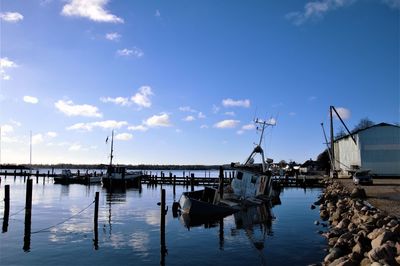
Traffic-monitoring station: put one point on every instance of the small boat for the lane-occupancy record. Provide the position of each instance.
(118, 176)
(251, 185)
(65, 178)
(205, 202)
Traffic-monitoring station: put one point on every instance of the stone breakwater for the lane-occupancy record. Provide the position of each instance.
(358, 233)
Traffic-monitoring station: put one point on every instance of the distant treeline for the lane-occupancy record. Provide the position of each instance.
(104, 166)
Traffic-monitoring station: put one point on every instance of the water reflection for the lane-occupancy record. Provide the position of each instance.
(255, 221)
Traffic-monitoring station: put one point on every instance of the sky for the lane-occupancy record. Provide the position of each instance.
(181, 82)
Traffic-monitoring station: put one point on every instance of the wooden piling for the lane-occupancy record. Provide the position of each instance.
(163, 213)
(174, 184)
(28, 216)
(221, 182)
(37, 176)
(96, 220)
(192, 182)
(6, 208)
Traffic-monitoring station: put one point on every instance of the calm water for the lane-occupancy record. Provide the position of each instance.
(129, 232)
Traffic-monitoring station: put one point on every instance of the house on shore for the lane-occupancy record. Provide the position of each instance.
(376, 148)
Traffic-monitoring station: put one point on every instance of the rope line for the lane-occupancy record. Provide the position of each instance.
(47, 228)
(14, 213)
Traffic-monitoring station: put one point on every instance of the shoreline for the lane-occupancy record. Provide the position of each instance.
(360, 233)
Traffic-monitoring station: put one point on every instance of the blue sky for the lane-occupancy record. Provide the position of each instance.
(181, 81)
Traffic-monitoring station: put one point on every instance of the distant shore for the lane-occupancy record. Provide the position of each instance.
(104, 166)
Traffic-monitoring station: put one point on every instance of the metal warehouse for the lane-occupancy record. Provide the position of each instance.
(376, 148)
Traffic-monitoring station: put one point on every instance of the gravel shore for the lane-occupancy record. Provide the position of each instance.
(384, 194)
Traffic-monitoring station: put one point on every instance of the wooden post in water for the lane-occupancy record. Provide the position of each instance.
(221, 182)
(37, 176)
(28, 216)
(6, 207)
(163, 248)
(96, 219)
(192, 182)
(174, 184)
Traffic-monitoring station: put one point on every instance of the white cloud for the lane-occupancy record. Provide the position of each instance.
(245, 127)
(292, 113)
(189, 118)
(215, 109)
(91, 9)
(136, 52)
(178, 130)
(230, 113)
(343, 112)
(203, 126)
(118, 100)
(68, 108)
(227, 123)
(5, 129)
(18, 124)
(248, 127)
(80, 126)
(312, 98)
(392, 3)
(75, 147)
(30, 99)
(157, 14)
(107, 124)
(187, 109)
(52, 134)
(123, 136)
(142, 97)
(161, 120)
(201, 115)
(235, 103)
(11, 16)
(37, 139)
(316, 10)
(113, 36)
(138, 128)
(4, 64)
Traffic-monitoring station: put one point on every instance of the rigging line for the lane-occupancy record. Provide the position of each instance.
(15, 213)
(47, 228)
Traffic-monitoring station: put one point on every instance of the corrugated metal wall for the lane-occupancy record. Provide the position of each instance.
(380, 150)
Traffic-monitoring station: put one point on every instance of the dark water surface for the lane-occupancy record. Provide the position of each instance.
(129, 229)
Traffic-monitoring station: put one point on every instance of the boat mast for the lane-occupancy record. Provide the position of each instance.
(258, 148)
(112, 147)
(30, 154)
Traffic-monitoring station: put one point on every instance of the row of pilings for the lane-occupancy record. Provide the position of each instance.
(359, 234)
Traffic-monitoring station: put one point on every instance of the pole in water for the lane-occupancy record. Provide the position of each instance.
(174, 184)
(163, 212)
(6, 207)
(192, 182)
(28, 216)
(96, 219)
(221, 182)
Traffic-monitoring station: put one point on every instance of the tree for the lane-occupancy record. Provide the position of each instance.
(340, 133)
(364, 123)
(324, 160)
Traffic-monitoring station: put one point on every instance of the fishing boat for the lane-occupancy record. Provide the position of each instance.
(66, 177)
(251, 185)
(118, 176)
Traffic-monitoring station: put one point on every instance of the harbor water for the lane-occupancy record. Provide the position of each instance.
(62, 229)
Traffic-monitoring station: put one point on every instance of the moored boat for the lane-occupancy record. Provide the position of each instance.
(251, 185)
(118, 176)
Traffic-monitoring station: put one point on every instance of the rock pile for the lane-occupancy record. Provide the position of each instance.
(359, 234)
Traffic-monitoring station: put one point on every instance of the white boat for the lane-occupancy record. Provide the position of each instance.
(118, 176)
(251, 185)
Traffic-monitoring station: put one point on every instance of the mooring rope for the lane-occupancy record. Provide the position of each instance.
(14, 213)
(47, 228)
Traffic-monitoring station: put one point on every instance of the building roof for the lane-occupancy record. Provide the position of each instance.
(358, 131)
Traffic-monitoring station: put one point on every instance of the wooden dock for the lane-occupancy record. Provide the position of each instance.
(299, 181)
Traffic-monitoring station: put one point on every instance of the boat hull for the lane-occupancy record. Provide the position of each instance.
(202, 203)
